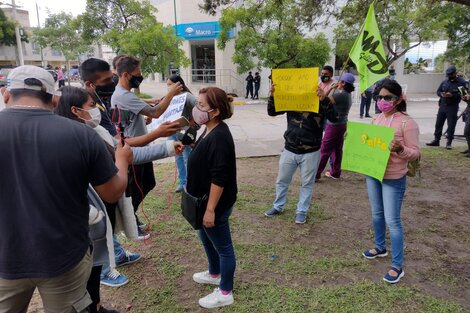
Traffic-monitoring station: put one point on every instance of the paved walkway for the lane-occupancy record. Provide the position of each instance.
(257, 134)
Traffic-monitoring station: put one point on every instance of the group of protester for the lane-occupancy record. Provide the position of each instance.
(77, 162)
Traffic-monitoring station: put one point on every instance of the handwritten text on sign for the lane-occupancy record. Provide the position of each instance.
(172, 113)
(366, 149)
(295, 89)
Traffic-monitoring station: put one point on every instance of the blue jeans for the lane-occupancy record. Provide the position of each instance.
(182, 161)
(385, 201)
(288, 164)
(218, 245)
(119, 252)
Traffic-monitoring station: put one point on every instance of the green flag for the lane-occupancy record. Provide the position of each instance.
(368, 53)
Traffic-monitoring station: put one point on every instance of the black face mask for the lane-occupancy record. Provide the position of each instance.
(325, 78)
(451, 77)
(115, 79)
(105, 90)
(348, 87)
(135, 81)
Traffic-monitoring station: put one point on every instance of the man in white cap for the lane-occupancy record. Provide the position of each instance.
(47, 163)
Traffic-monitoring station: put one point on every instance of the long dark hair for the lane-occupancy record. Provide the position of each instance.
(178, 79)
(393, 87)
(71, 96)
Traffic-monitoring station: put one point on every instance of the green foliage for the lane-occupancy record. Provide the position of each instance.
(130, 27)
(400, 22)
(271, 36)
(7, 30)
(61, 32)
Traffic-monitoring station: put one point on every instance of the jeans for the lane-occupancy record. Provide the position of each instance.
(182, 161)
(288, 164)
(448, 112)
(385, 201)
(365, 103)
(332, 147)
(119, 252)
(217, 242)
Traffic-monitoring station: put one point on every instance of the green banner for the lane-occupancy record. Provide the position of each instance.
(368, 53)
(366, 149)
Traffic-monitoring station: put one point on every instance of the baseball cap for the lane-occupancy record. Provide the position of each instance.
(348, 78)
(451, 70)
(33, 78)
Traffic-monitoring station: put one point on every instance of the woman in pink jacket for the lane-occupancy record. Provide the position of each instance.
(386, 197)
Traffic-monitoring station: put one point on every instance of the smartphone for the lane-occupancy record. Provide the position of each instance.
(183, 121)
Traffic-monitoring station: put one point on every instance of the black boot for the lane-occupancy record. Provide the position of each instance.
(465, 152)
(449, 144)
(434, 143)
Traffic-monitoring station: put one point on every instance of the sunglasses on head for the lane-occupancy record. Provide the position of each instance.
(386, 98)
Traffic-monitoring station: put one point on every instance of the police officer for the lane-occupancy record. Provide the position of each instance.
(449, 98)
(466, 131)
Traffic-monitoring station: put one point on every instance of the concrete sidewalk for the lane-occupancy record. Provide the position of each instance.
(257, 134)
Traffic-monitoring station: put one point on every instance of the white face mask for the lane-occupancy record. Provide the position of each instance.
(95, 117)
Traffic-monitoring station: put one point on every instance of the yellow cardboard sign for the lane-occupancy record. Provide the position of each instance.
(295, 89)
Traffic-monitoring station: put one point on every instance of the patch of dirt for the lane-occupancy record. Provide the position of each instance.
(435, 218)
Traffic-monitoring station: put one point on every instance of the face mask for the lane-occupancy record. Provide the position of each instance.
(106, 90)
(201, 117)
(385, 106)
(325, 78)
(95, 117)
(115, 79)
(135, 81)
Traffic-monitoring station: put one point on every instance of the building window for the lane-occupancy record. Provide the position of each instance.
(56, 53)
(35, 47)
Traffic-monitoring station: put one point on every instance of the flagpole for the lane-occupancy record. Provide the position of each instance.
(347, 60)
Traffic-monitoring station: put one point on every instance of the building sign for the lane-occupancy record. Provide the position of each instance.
(205, 30)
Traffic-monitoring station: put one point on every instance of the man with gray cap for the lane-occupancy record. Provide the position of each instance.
(47, 163)
(449, 99)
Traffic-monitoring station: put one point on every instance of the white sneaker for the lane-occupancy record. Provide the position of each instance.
(216, 300)
(206, 278)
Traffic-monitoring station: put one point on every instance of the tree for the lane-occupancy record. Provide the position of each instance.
(458, 32)
(271, 36)
(7, 30)
(61, 33)
(130, 27)
(400, 22)
(156, 46)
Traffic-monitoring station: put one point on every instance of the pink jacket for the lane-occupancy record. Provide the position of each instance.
(407, 132)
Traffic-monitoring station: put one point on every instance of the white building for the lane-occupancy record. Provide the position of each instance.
(209, 65)
(31, 51)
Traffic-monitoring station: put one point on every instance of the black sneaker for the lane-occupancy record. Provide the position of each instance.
(449, 145)
(465, 152)
(434, 143)
(103, 310)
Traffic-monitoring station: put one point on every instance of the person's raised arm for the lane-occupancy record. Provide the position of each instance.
(157, 110)
(113, 189)
(164, 130)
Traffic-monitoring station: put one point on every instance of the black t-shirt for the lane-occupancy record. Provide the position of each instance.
(213, 161)
(46, 164)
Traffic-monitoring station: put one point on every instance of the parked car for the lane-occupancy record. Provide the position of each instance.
(54, 74)
(3, 76)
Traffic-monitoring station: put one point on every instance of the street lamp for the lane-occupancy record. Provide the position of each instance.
(17, 32)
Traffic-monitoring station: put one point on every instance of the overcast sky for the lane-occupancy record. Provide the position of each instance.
(53, 6)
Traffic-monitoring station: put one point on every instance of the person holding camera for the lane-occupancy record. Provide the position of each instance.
(449, 99)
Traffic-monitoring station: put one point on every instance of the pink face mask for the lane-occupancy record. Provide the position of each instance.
(201, 117)
(385, 106)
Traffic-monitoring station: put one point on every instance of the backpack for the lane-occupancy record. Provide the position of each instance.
(414, 167)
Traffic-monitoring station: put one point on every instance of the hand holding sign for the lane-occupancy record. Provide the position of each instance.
(366, 149)
(296, 89)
